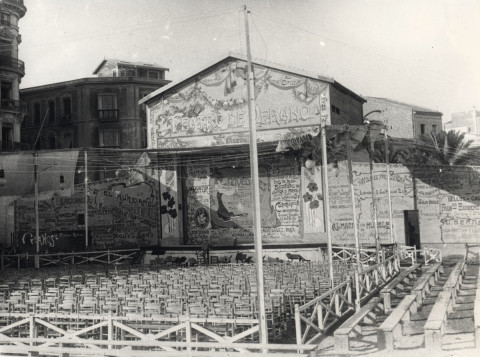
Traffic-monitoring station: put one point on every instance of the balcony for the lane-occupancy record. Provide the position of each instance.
(108, 114)
(13, 64)
(12, 105)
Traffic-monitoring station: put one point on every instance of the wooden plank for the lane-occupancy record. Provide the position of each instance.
(391, 287)
(399, 313)
(342, 333)
(438, 314)
(454, 276)
(422, 287)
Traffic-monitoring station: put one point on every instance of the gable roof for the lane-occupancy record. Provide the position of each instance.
(259, 62)
(131, 64)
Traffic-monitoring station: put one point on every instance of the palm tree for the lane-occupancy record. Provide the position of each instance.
(444, 148)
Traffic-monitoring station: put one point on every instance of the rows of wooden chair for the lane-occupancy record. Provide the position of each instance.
(223, 290)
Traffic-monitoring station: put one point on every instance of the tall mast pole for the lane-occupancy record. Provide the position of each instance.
(37, 223)
(326, 198)
(389, 191)
(354, 208)
(257, 219)
(86, 201)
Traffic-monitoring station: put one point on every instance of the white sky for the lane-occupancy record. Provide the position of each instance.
(424, 52)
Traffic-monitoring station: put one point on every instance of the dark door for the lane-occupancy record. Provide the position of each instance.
(412, 228)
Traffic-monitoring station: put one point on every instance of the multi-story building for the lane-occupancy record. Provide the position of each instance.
(11, 72)
(401, 119)
(94, 112)
(466, 122)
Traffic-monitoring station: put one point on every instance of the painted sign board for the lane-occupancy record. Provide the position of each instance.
(212, 109)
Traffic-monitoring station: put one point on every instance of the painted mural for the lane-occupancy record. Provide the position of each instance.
(212, 111)
(121, 213)
(219, 200)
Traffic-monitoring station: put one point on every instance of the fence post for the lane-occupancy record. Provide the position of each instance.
(32, 329)
(337, 303)
(188, 332)
(320, 316)
(110, 331)
(298, 325)
(357, 291)
(108, 256)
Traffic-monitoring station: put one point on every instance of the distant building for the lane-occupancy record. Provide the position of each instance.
(403, 120)
(466, 122)
(95, 112)
(12, 71)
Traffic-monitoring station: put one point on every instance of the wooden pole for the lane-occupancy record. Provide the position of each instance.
(352, 194)
(257, 219)
(326, 199)
(37, 223)
(374, 199)
(389, 191)
(86, 200)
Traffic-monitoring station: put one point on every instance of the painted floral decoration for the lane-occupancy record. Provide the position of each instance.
(314, 204)
(307, 197)
(312, 186)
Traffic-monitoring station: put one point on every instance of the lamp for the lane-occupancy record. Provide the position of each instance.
(310, 164)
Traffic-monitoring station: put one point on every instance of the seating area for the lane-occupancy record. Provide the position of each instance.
(168, 290)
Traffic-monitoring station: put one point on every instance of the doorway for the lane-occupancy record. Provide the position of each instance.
(412, 228)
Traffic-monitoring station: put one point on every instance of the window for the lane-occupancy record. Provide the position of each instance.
(5, 18)
(67, 141)
(67, 108)
(142, 72)
(6, 89)
(51, 111)
(51, 142)
(107, 104)
(131, 73)
(422, 129)
(36, 113)
(108, 138)
(335, 109)
(153, 74)
(434, 128)
(122, 73)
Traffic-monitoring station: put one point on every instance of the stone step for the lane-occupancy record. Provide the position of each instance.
(464, 307)
(460, 314)
(465, 292)
(410, 328)
(457, 326)
(468, 299)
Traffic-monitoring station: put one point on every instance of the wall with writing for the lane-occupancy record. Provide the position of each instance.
(447, 200)
(219, 202)
(121, 213)
(401, 191)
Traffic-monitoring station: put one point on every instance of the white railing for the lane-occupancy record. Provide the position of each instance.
(110, 335)
(348, 255)
(408, 252)
(321, 313)
(369, 281)
(432, 255)
(116, 256)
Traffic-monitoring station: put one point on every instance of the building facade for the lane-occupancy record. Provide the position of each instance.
(401, 119)
(95, 112)
(12, 71)
(467, 122)
(206, 190)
